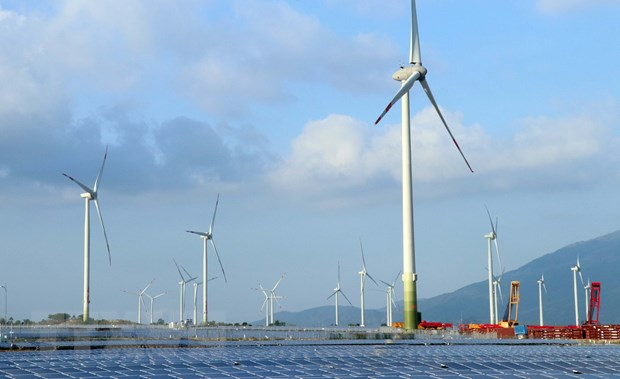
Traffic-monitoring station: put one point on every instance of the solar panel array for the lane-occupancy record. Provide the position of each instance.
(286, 360)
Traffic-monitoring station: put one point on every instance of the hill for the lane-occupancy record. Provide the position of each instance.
(599, 259)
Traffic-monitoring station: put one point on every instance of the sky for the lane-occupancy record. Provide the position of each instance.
(271, 104)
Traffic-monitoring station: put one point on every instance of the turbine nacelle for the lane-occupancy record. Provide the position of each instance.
(405, 73)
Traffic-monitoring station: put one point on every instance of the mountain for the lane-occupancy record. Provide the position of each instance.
(599, 260)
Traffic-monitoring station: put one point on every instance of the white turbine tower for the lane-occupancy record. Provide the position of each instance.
(408, 76)
(90, 195)
(152, 298)
(208, 236)
(336, 292)
(390, 299)
(541, 285)
(182, 284)
(576, 269)
(363, 274)
(492, 237)
(195, 319)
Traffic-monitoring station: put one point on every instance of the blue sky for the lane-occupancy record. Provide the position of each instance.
(271, 104)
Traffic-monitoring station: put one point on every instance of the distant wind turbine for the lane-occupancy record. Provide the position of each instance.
(265, 305)
(140, 300)
(390, 299)
(182, 284)
(90, 195)
(541, 285)
(208, 236)
(152, 298)
(273, 296)
(576, 269)
(408, 76)
(492, 237)
(363, 274)
(336, 292)
(587, 297)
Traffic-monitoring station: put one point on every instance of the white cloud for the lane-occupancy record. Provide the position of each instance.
(339, 154)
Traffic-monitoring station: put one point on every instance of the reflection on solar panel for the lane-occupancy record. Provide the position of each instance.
(289, 359)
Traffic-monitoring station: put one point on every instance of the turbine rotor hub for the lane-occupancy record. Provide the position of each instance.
(405, 72)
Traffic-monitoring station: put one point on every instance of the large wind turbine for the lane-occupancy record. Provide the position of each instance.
(363, 274)
(408, 76)
(541, 285)
(336, 292)
(273, 296)
(576, 269)
(208, 236)
(390, 299)
(90, 195)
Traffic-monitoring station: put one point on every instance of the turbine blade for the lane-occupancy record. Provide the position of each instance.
(490, 219)
(581, 277)
(403, 89)
(414, 45)
(105, 235)
(544, 287)
(346, 298)
(214, 212)
(332, 295)
(100, 171)
(179, 270)
(427, 89)
(387, 284)
(363, 260)
(499, 260)
(147, 286)
(499, 290)
(338, 274)
(395, 279)
(277, 283)
(82, 185)
(202, 234)
(373, 279)
(218, 259)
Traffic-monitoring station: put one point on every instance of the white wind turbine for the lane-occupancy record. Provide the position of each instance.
(152, 298)
(273, 296)
(265, 303)
(208, 236)
(140, 300)
(492, 237)
(497, 289)
(196, 299)
(576, 269)
(541, 285)
(390, 299)
(182, 284)
(90, 195)
(408, 76)
(336, 292)
(363, 274)
(587, 297)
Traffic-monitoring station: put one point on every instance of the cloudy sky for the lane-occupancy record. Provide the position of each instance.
(271, 105)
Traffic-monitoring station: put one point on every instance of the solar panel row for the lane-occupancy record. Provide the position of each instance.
(321, 361)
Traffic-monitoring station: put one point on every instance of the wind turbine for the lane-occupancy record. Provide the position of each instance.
(587, 303)
(90, 195)
(182, 284)
(140, 300)
(363, 274)
(408, 76)
(152, 298)
(336, 292)
(265, 303)
(541, 285)
(272, 296)
(576, 269)
(390, 299)
(208, 236)
(492, 237)
(497, 288)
